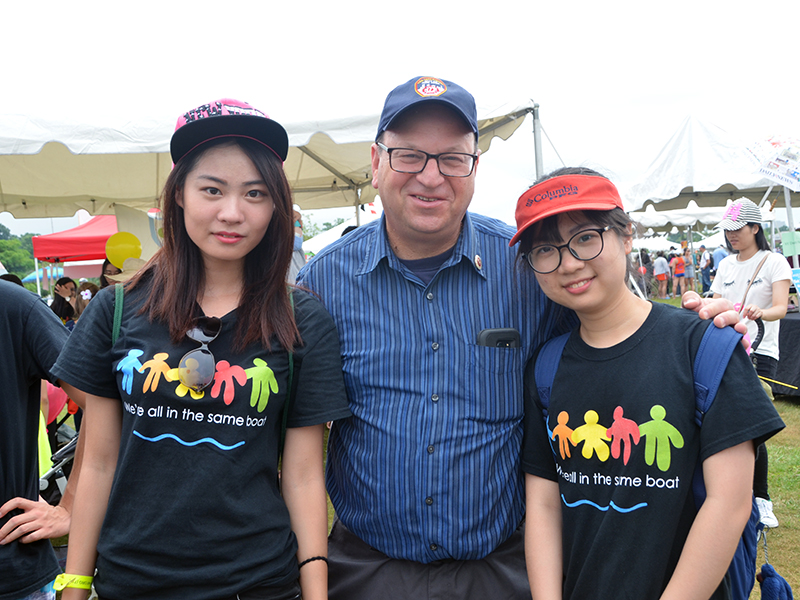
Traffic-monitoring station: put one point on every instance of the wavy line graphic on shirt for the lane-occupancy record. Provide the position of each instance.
(659, 437)
(263, 381)
(127, 365)
(172, 436)
(602, 508)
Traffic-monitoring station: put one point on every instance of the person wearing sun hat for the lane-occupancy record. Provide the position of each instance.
(217, 362)
(757, 280)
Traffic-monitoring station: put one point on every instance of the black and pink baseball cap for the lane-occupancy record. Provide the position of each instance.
(226, 118)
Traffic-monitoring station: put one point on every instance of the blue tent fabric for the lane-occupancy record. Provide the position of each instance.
(58, 273)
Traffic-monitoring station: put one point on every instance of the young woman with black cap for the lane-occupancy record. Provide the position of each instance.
(180, 496)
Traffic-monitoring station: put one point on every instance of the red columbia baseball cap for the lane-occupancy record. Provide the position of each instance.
(564, 194)
(226, 118)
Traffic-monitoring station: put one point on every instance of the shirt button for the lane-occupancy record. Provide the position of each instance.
(429, 295)
(433, 547)
(428, 500)
(435, 397)
(435, 345)
(430, 449)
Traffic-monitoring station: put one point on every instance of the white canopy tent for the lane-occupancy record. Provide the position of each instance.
(52, 169)
(703, 163)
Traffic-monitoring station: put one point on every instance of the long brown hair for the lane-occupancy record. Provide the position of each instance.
(178, 274)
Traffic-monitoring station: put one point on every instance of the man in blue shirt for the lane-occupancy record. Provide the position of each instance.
(436, 324)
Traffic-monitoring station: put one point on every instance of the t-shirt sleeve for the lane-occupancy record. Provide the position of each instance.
(716, 284)
(86, 361)
(780, 268)
(45, 336)
(319, 383)
(537, 453)
(741, 410)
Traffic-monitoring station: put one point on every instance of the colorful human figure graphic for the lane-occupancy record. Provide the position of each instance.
(658, 435)
(158, 367)
(127, 365)
(227, 374)
(181, 390)
(593, 435)
(623, 433)
(564, 434)
(263, 381)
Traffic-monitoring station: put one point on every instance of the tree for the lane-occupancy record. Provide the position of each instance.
(311, 229)
(15, 258)
(5, 232)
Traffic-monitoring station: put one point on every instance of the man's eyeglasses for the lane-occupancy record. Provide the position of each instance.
(197, 367)
(451, 164)
(584, 245)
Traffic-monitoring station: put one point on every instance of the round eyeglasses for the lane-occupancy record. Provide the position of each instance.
(197, 367)
(451, 164)
(584, 245)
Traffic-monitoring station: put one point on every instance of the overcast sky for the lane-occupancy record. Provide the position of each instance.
(614, 80)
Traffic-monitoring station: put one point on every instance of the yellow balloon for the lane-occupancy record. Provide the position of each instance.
(122, 245)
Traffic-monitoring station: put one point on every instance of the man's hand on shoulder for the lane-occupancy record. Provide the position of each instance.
(718, 309)
(38, 521)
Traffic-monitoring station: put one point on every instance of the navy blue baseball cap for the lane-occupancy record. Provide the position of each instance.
(428, 89)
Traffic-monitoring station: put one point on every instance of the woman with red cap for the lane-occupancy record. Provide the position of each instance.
(180, 496)
(610, 459)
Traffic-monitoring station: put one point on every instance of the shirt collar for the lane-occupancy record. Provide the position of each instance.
(468, 246)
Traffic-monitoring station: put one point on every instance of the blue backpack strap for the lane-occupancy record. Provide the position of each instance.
(710, 363)
(546, 367)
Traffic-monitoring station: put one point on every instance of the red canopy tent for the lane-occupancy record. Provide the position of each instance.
(84, 242)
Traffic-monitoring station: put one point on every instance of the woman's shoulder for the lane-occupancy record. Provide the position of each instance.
(309, 310)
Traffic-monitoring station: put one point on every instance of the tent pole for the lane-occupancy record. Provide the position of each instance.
(789, 217)
(38, 283)
(537, 141)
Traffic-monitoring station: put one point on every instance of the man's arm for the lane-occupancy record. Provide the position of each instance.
(38, 519)
(716, 530)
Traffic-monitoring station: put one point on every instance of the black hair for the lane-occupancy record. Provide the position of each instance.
(61, 307)
(761, 239)
(12, 278)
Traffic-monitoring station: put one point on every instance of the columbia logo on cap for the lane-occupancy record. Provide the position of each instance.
(567, 190)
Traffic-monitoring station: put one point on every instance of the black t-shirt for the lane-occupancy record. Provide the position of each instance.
(195, 510)
(31, 336)
(623, 445)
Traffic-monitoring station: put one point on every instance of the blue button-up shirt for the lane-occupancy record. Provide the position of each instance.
(428, 466)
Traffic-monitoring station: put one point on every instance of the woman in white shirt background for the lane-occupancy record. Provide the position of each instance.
(757, 281)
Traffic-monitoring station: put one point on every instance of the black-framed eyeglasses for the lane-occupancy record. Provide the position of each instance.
(584, 245)
(197, 367)
(451, 164)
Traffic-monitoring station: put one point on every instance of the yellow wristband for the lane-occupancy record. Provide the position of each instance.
(65, 580)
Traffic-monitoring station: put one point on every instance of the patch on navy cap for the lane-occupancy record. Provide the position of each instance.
(430, 86)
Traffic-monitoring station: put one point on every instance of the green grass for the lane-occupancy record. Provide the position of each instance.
(784, 488)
